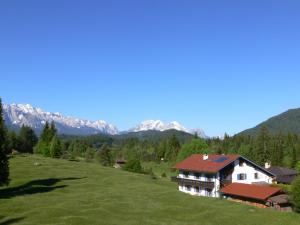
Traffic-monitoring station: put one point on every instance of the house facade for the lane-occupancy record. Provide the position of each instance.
(205, 175)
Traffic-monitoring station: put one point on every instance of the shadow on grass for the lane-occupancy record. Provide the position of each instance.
(11, 221)
(34, 187)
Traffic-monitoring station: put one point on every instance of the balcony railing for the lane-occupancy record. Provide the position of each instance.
(198, 183)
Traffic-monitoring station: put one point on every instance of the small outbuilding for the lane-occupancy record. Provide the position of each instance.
(280, 203)
(119, 163)
(283, 175)
(251, 194)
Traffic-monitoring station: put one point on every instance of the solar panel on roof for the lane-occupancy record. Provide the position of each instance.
(220, 159)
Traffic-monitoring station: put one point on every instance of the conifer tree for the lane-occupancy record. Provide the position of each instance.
(262, 150)
(4, 166)
(294, 157)
(28, 139)
(52, 130)
(55, 147)
(173, 147)
(45, 133)
(13, 141)
(44, 143)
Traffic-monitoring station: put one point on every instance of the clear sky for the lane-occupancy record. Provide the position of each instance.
(223, 66)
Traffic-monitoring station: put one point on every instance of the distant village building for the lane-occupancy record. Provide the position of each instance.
(231, 176)
(119, 163)
(283, 175)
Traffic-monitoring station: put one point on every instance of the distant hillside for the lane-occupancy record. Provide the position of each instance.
(286, 122)
(149, 135)
(155, 135)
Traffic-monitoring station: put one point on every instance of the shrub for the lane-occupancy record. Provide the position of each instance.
(133, 165)
(163, 174)
(295, 191)
(89, 155)
(152, 175)
(104, 156)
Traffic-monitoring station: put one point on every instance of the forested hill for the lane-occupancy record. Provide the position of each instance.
(287, 122)
(154, 135)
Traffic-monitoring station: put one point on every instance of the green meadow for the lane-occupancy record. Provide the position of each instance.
(56, 191)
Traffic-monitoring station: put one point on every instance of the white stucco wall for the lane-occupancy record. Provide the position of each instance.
(250, 170)
(202, 177)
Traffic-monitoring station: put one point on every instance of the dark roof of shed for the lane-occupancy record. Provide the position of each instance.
(287, 179)
(280, 171)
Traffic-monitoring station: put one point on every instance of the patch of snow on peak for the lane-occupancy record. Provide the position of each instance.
(25, 114)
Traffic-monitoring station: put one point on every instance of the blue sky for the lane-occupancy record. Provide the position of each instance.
(223, 66)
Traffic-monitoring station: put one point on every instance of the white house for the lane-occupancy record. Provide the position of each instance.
(206, 175)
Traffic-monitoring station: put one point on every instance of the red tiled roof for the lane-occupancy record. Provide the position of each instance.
(260, 192)
(196, 163)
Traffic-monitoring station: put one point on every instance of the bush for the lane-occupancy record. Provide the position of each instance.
(104, 156)
(89, 155)
(163, 174)
(295, 191)
(133, 165)
(152, 175)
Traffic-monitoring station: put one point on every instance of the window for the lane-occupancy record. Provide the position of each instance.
(256, 176)
(197, 175)
(197, 189)
(242, 176)
(186, 174)
(188, 188)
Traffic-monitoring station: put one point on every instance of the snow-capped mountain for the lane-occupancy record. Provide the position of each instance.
(16, 115)
(161, 126)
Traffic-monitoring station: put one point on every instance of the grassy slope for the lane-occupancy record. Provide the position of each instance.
(109, 196)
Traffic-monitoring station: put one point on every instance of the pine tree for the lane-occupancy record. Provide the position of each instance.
(4, 164)
(173, 147)
(43, 145)
(52, 130)
(28, 139)
(13, 141)
(55, 147)
(262, 150)
(45, 137)
(294, 157)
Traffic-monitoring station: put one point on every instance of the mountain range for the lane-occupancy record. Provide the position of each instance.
(16, 115)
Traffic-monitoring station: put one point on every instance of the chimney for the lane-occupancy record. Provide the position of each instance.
(267, 165)
(205, 157)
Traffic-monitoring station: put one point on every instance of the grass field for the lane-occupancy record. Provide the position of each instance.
(64, 192)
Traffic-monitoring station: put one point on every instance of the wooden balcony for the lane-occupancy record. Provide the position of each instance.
(197, 183)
